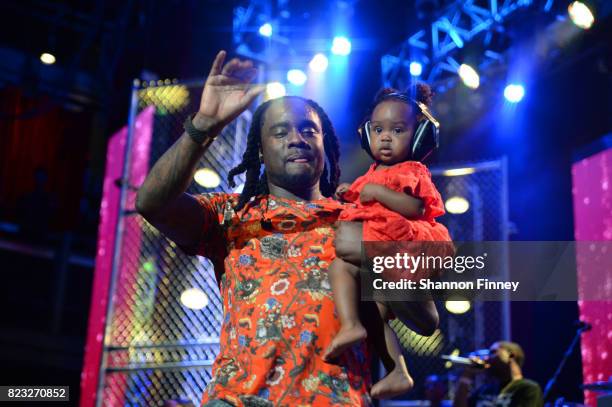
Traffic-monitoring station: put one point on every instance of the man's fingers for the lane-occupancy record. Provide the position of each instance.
(230, 67)
(251, 94)
(248, 75)
(218, 63)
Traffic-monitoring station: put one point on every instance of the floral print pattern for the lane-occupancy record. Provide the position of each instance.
(278, 306)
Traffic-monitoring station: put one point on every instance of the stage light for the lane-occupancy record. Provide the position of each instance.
(416, 69)
(194, 298)
(514, 93)
(581, 15)
(275, 90)
(207, 178)
(318, 63)
(454, 172)
(47, 59)
(165, 98)
(341, 46)
(457, 306)
(469, 76)
(456, 205)
(265, 30)
(296, 77)
(148, 266)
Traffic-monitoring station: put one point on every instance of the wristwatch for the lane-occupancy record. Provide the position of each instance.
(203, 138)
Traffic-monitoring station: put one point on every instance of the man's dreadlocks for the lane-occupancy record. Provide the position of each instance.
(251, 163)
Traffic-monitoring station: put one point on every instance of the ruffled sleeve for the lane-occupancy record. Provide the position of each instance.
(415, 179)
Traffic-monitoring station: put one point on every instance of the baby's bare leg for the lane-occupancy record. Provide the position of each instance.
(348, 242)
(343, 278)
(420, 316)
(398, 380)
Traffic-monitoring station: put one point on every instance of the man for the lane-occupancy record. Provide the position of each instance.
(270, 246)
(506, 385)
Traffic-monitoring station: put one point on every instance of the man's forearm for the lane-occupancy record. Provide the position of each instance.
(172, 173)
(400, 202)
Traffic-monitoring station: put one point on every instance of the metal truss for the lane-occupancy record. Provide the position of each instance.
(460, 23)
(246, 22)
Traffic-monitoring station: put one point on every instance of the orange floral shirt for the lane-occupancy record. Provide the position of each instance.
(271, 260)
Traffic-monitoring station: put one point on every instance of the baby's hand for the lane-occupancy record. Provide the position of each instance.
(341, 190)
(369, 192)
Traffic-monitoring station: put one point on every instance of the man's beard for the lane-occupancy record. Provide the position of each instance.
(292, 181)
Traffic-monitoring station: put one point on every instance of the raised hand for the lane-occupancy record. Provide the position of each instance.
(228, 91)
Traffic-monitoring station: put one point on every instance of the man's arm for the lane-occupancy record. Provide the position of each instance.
(404, 204)
(162, 199)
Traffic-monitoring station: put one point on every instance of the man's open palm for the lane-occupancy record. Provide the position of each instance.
(228, 91)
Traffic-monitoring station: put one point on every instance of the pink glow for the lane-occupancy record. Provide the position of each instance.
(109, 214)
(593, 222)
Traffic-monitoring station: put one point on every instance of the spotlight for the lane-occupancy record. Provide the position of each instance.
(265, 30)
(469, 76)
(296, 77)
(416, 69)
(581, 15)
(194, 298)
(207, 178)
(514, 93)
(318, 63)
(454, 172)
(47, 59)
(341, 46)
(456, 205)
(457, 306)
(275, 90)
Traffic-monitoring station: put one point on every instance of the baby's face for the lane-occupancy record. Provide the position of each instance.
(391, 128)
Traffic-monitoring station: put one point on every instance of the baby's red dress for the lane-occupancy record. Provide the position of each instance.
(383, 224)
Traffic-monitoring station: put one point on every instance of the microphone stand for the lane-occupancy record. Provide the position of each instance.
(568, 353)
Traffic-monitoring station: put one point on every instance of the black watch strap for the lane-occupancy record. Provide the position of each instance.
(199, 136)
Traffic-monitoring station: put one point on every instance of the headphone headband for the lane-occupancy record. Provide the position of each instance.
(425, 138)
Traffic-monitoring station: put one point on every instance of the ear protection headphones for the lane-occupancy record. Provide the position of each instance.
(425, 138)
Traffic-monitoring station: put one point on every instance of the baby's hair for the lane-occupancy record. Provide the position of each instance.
(421, 93)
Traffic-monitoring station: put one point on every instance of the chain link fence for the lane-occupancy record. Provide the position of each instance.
(475, 196)
(165, 314)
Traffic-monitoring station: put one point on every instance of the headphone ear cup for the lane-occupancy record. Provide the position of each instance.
(424, 140)
(364, 136)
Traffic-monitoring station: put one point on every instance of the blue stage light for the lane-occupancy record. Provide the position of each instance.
(296, 77)
(416, 69)
(266, 30)
(318, 63)
(514, 92)
(341, 46)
